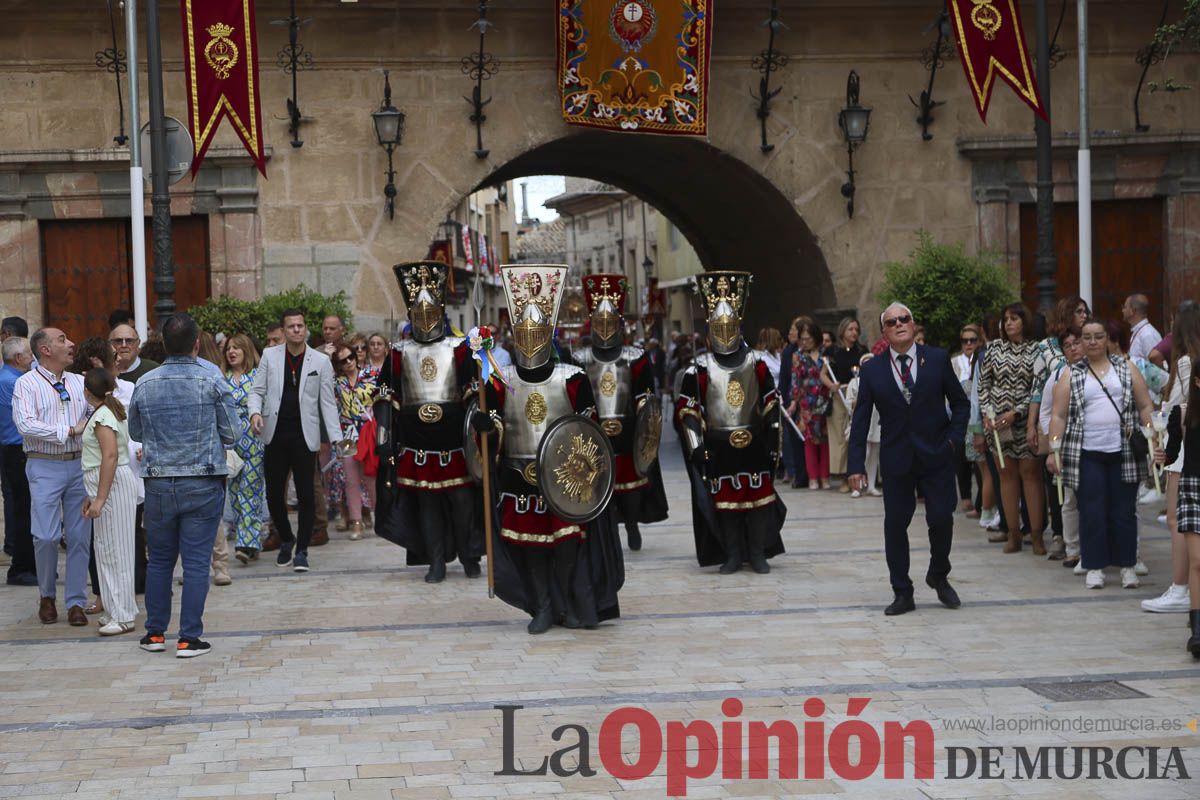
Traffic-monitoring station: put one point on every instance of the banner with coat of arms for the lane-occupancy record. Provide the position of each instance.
(991, 42)
(220, 66)
(635, 65)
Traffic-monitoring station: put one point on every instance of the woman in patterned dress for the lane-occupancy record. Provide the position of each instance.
(354, 397)
(1005, 388)
(248, 488)
(810, 403)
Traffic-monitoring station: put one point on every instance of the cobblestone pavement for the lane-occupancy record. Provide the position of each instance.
(359, 681)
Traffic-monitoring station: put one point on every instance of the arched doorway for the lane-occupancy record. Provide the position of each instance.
(733, 216)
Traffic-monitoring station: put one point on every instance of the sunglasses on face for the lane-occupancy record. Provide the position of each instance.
(903, 319)
(969, 339)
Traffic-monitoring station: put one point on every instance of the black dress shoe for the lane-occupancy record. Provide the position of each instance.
(901, 605)
(471, 568)
(945, 592)
(23, 579)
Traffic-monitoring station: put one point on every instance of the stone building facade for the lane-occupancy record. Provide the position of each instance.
(319, 215)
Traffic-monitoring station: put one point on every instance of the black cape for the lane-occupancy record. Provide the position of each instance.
(710, 547)
(599, 573)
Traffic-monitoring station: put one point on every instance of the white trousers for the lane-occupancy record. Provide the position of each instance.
(114, 542)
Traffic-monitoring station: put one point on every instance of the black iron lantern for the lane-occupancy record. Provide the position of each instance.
(389, 129)
(855, 122)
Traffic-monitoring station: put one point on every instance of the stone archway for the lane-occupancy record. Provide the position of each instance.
(733, 216)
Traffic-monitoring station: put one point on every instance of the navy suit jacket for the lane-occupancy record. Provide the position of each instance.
(918, 434)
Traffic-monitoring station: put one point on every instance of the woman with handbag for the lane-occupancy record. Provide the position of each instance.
(1005, 387)
(354, 397)
(247, 487)
(810, 403)
(1100, 405)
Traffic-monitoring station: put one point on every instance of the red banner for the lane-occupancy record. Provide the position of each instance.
(220, 65)
(991, 42)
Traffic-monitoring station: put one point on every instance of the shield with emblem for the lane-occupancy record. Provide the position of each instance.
(576, 469)
(647, 432)
(471, 444)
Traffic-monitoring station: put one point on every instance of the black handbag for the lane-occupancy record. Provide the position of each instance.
(1137, 439)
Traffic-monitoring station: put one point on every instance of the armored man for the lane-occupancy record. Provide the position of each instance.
(622, 381)
(555, 471)
(430, 505)
(727, 415)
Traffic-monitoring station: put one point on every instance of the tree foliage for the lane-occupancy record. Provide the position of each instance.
(231, 315)
(946, 288)
(1184, 32)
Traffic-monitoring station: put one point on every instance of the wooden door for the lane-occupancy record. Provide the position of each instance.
(86, 274)
(189, 244)
(87, 267)
(1127, 254)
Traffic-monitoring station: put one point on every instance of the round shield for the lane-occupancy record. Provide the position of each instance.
(471, 444)
(575, 468)
(647, 432)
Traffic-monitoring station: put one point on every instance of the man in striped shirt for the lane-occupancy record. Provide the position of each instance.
(50, 413)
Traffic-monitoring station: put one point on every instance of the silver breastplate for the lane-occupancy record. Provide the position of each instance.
(732, 397)
(612, 383)
(530, 408)
(428, 373)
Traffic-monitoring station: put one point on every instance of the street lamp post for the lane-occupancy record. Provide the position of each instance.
(389, 130)
(1047, 262)
(855, 121)
(160, 194)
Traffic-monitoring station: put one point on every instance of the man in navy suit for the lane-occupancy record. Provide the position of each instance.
(911, 385)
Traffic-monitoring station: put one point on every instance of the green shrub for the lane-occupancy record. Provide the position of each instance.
(230, 315)
(946, 288)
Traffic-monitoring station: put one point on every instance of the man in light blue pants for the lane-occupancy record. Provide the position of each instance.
(50, 413)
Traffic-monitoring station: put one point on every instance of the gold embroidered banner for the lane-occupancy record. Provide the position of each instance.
(635, 65)
(992, 44)
(220, 64)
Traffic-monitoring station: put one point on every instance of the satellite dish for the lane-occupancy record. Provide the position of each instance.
(179, 150)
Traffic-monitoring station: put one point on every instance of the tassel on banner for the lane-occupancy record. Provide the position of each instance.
(991, 43)
(220, 64)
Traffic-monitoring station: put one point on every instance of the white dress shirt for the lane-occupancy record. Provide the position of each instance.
(1142, 339)
(42, 417)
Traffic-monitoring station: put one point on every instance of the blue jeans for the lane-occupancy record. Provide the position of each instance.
(181, 517)
(1108, 525)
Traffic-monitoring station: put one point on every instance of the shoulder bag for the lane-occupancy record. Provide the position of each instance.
(1137, 439)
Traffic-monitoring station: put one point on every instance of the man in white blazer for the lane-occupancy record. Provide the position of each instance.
(291, 398)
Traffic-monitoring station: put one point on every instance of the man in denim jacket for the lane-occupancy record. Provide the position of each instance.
(185, 418)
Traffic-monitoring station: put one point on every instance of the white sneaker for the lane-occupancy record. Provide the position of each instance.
(1150, 496)
(875, 493)
(1174, 599)
(856, 494)
(1140, 568)
(1129, 578)
(113, 628)
(1079, 570)
(1095, 579)
(1162, 519)
(987, 517)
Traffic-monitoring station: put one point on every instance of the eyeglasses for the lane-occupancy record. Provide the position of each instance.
(123, 342)
(969, 339)
(63, 394)
(903, 319)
